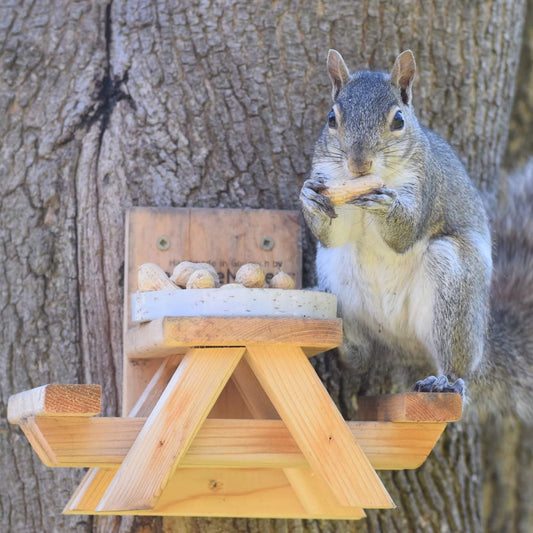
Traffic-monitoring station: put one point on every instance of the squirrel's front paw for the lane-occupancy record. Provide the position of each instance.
(380, 198)
(312, 199)
(440, 384)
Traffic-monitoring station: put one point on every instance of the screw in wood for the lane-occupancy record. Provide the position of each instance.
(163, 243)
(267, 243)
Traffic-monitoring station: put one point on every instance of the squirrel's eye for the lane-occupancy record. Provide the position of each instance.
(397, 122)
(332, 121)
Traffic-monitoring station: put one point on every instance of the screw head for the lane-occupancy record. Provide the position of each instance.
(267, 243)
(163, 243)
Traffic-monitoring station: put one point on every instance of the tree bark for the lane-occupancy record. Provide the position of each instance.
(520, 145)
(112, 105)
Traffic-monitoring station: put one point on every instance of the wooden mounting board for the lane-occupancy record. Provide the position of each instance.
(225, 238)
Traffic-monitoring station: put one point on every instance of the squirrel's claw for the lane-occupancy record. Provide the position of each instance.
(312, 199)
(377, 198)
(440, 384)
(316, 184)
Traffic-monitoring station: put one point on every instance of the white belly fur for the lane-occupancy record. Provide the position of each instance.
(387, 292)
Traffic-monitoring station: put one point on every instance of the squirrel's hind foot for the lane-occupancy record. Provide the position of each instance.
(440, 384)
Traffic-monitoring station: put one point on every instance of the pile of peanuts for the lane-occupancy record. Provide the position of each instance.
(188, 275)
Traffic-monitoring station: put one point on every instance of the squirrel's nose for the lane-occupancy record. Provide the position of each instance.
(358, 167)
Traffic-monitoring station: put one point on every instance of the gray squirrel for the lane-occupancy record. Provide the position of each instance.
(410, 262)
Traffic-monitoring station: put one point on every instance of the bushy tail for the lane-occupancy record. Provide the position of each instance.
(509, 356)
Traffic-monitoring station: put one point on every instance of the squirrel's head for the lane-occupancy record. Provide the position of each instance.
(372, 118)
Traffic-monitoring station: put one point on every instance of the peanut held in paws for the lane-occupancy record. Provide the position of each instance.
(342, 191)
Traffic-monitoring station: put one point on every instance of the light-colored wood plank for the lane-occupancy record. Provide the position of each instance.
(172, 335)
(395, 445)
(137, 376)
(96, 480)
(47, 400)
(104, 442)
(243, 443)
(252, 393)
(313, 494)
(89, 492)
(230, 404)
(226, 492)
(411, 407)
(151, 394)
(40, 442)
(170, 428)
(316, 425)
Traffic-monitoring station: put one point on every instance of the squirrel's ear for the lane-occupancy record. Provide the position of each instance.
(403, 73)
(338, 72)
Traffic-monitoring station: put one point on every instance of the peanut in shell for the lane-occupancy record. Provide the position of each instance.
(151, 277)
(233, 286)
(282, 280)
(251, 275)
(342, 191)
(201, 279)
(182, 272)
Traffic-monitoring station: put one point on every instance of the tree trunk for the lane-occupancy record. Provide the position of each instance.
(212, 104)
(520, 145)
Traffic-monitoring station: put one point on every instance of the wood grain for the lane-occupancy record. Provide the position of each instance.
(226, 238)
(97, 479)
(412, 407)
(170, 428)
(317, 426)
(47, 400)
(171, 335)
(218, 492)
(104, 442)
(314, 495)
(89, 492)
